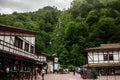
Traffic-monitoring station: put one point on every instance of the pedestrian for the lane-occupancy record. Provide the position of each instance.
(81, 72)
(7, 72)
(74, 72)
(36, 72)
(88, 74)
(43, 73)
(79, 69)
(7, 69)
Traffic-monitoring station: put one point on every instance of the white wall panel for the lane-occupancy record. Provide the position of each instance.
(115, 52)
(1, 46)
(95, 57)
(106, 61)
(30, 39)
(101, 57)
(116, 61)
(119, 56)
(2, 37)
(7, 39)
(12, 39)
(95, 61)
(111, 62)
(101, 61)
(6, 48)
(90, 57)
(90, 62)
(115, 57)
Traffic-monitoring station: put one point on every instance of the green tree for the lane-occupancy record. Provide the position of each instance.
(107, 29)
(18, 24)
(80, 8)
(114, 4)
(68, 33)
(76, 56)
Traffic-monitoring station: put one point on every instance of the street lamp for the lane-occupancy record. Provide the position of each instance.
(55, 63)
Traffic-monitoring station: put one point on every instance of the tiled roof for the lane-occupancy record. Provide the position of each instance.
(15, 29)
(105, 47)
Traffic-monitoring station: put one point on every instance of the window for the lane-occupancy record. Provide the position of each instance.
(105, 57)
(31, 49)
(18, 42)
(26, 47)
(108, 57)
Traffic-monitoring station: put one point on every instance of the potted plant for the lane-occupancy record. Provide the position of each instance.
(94, 74)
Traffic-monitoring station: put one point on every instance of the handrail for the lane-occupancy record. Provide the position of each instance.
(15, 50)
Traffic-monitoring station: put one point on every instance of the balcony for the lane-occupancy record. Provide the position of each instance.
(5, 46)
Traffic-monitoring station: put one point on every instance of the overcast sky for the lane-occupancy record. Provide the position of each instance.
(9, 6)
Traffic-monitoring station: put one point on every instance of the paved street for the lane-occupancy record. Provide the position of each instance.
(117, 77)
(76, 77)
(61, 77)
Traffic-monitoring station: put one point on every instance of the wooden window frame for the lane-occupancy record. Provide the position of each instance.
(111, 57)
(108, 57)
(31, 49)
(18, 42)
(105, 56)
(26, 47)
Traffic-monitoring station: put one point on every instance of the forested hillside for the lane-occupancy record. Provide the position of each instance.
(87, 23)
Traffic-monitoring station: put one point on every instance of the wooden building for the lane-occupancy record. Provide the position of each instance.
(105, 58)
(44, 61)
(17, 51)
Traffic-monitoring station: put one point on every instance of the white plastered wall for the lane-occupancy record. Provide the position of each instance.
(9, 39)
(30, 39)
(116, 56)
(90, 57)
(101, 60)
(97, 57)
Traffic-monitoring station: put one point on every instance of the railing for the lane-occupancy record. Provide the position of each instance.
(15, 50)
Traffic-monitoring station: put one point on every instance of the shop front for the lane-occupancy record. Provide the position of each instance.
(14, 66)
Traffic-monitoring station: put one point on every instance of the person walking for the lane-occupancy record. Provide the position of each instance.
(36, 72)
(74, 72)
(8, 73)
(42, 73)
(81, 72)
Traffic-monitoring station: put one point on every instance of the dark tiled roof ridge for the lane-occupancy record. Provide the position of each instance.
(13, 28)
(106, 46)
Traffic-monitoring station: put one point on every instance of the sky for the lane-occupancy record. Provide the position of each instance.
(10, 6)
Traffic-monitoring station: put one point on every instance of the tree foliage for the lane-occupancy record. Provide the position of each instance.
(68, 33)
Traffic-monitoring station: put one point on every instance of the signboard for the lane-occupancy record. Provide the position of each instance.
(55, 59)
(56, 66)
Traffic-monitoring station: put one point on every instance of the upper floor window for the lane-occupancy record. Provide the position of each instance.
(108, 57)
(18, 42)
(31, 49)
(26, 47)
